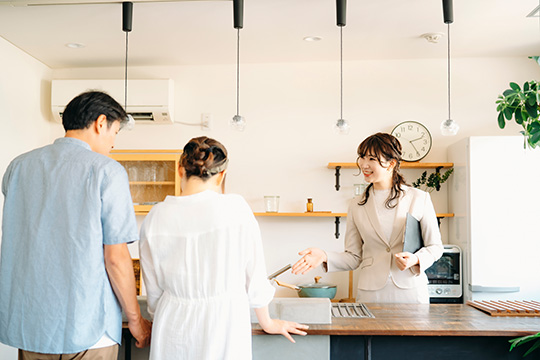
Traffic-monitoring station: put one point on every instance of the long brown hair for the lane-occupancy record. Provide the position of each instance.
(203, 157)
(384, 147)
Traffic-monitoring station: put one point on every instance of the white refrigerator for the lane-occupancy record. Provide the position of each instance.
(494, 193)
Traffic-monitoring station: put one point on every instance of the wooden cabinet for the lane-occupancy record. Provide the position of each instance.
(152, 175)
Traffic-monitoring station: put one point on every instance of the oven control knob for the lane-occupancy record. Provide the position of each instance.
(438, 291)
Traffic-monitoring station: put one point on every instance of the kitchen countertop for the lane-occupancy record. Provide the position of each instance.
(422, 330)
(425, 320)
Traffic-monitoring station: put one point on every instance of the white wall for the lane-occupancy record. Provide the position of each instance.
(288, 142)
(24, 89)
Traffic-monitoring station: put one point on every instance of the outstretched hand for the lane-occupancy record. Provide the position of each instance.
(285, 328)
(312, 257)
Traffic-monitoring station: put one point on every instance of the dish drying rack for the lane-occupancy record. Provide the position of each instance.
(507, 307)
(350, 310)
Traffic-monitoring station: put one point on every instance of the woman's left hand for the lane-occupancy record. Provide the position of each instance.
(405, 260)
(285, 328)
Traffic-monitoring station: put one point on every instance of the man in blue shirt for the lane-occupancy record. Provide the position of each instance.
(65, 269)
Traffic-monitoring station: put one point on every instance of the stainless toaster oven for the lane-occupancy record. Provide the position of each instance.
(444, 276)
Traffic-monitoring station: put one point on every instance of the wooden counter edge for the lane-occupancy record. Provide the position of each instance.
(330, 330)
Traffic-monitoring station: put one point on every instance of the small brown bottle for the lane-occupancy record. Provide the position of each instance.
(309, 205)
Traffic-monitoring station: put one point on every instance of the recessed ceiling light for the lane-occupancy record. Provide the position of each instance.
(75, 45)
(313, 38)
(432, 37)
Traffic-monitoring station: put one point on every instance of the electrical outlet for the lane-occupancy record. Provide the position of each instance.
(206, 121)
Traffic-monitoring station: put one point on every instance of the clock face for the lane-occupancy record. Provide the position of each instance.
(415, 140)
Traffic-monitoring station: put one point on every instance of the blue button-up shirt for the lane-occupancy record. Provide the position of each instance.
(63, 202)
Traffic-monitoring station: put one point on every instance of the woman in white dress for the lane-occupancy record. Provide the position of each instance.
(203, 266)
(375, 227)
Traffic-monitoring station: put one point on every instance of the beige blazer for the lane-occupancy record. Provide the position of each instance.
(366, 246)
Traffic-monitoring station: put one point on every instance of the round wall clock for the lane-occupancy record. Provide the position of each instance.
(415, 140)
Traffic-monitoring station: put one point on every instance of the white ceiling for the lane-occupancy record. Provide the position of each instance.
(201, 32)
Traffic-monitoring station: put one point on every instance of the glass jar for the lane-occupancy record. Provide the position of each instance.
(309, 205)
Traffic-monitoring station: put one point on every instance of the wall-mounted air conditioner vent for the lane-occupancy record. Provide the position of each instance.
(149, 101)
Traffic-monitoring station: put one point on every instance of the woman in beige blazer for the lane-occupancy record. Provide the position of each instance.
(375, 228)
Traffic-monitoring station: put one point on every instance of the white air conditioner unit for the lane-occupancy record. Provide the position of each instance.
(149, 101)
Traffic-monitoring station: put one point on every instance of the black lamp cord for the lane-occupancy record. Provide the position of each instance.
(449, 71)
(238, 72)
(126, 73)
(341, 68)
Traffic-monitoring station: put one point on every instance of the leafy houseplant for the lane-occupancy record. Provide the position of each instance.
(433, 181)
(523, 105)
(525, 339)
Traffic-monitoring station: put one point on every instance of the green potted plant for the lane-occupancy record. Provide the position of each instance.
(525, 339)
(522, 103)
(433, 181)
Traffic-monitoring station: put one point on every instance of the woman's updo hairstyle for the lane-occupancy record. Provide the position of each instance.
(203, 157)
(384, 147)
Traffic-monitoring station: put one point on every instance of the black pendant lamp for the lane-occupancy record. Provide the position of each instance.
(238, 122)
(448, 127)
(127, 21)
(341, 126)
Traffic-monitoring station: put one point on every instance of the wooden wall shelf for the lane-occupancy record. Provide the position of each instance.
(157, 183)
(304, 214)
(337, 216)
(445, 215)
(329, 214)
(404, 165)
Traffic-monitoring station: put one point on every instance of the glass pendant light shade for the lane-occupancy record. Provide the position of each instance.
(128, 123)
(449, 127)
(342, 127)
(238, 123)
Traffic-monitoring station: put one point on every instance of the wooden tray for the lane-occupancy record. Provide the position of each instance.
(507, 307)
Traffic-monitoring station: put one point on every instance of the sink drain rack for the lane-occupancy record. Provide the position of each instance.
(350, 310)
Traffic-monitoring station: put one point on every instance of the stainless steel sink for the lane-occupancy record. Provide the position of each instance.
(302, 310)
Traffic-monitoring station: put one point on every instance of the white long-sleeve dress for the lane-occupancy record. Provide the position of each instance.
(203, 267)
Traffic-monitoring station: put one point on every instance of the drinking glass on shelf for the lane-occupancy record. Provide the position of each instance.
(161, 173)
(132, 172)
(271, 203)
(150, 171)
